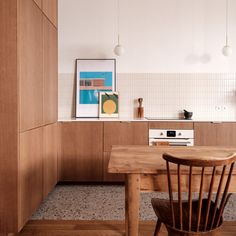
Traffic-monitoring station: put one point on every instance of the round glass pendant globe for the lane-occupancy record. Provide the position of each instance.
(227, 50)
(119, 50)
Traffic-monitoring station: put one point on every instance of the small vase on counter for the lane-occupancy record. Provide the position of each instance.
(140, 109)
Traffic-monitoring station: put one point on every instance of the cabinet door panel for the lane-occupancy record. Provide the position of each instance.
(215, 134)
(125, 133)
(81, 151)
(205, 134)
(30, 43)
(8, 116)
(50, 72)
(226, 134)
(30, 173)
(50, 145)
(50, 10)
(108, 177)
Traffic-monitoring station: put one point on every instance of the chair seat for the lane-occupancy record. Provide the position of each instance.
(163, 212)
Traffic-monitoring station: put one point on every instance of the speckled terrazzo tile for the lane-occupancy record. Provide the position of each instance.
(80, 202)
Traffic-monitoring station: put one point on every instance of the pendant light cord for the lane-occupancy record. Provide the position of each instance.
(118, 20)
(227, 20)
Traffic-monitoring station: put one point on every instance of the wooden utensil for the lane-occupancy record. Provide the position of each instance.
(140, 108)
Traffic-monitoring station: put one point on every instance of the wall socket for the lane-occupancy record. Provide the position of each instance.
(221, 108)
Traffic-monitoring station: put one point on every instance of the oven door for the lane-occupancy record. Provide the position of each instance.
(170, 142)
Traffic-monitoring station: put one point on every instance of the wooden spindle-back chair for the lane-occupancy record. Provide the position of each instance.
(202, 216)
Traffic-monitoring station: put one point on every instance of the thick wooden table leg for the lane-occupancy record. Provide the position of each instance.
(132, 197)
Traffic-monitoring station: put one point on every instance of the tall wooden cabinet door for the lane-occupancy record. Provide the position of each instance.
(50, 146)
(30, 173)
(226, 134)
(50, 9)
(205, 134)
(50, 72)
(125, 133)
(39, 3)
(81, 151)
(30, 44)
(8, 117)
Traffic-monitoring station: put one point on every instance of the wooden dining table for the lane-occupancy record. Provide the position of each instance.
(145, 170)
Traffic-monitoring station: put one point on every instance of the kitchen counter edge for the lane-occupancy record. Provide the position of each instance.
(136, 120)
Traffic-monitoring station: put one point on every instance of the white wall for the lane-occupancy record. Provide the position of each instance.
(158, 35)
(172, 54)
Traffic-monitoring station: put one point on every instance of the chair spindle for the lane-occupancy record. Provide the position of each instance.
(200, 199)
(209, 197)
(190, 198)
(180, 198)
(218, 196)
(170, 194)
(224, 197)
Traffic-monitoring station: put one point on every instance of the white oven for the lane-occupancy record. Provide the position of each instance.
(160, 137)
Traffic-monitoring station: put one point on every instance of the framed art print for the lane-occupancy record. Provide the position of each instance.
(108, 104)
(93, 76)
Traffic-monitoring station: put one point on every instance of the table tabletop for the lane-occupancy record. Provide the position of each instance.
(148, 159)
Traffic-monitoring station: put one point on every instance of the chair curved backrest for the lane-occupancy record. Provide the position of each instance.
(210, 217)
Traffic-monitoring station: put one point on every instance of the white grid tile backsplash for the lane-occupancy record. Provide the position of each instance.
(211, 96)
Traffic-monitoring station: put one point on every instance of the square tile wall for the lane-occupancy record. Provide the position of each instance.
(211, 96)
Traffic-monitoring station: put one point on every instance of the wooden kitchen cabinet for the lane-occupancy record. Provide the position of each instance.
(8, 117)
(170, 125)
(81, 151)
(50, 72)
(50, 10)
(21, 121)
(125, 133)
(122, 133)
(30, 173)
(50, 150)
(215, 134)
(30, 65)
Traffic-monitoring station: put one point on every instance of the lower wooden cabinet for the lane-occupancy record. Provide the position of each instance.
(125, 133)
(81, 151)
(85, 148)
(30, 173)
(215, 134)
(122, 133)
(50, 147)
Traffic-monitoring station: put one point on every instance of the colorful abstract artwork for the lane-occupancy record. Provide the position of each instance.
(93, 76)
(109, 104)
(93, 82)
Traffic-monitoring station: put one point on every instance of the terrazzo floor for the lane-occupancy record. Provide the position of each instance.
(101, 202)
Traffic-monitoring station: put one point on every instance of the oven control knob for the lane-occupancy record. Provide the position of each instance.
(179, 134)
(161, 134)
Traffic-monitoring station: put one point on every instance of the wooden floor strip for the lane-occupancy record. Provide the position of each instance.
(99, 228)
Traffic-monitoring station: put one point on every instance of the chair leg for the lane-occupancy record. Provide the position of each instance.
(158, 227)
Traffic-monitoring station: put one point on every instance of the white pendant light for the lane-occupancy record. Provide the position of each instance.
(227, 50)
(119, 49)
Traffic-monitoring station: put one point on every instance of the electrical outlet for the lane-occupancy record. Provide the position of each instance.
(220, 108)
(223, 108)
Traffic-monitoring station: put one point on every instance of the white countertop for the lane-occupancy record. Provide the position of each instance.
(125, 119)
